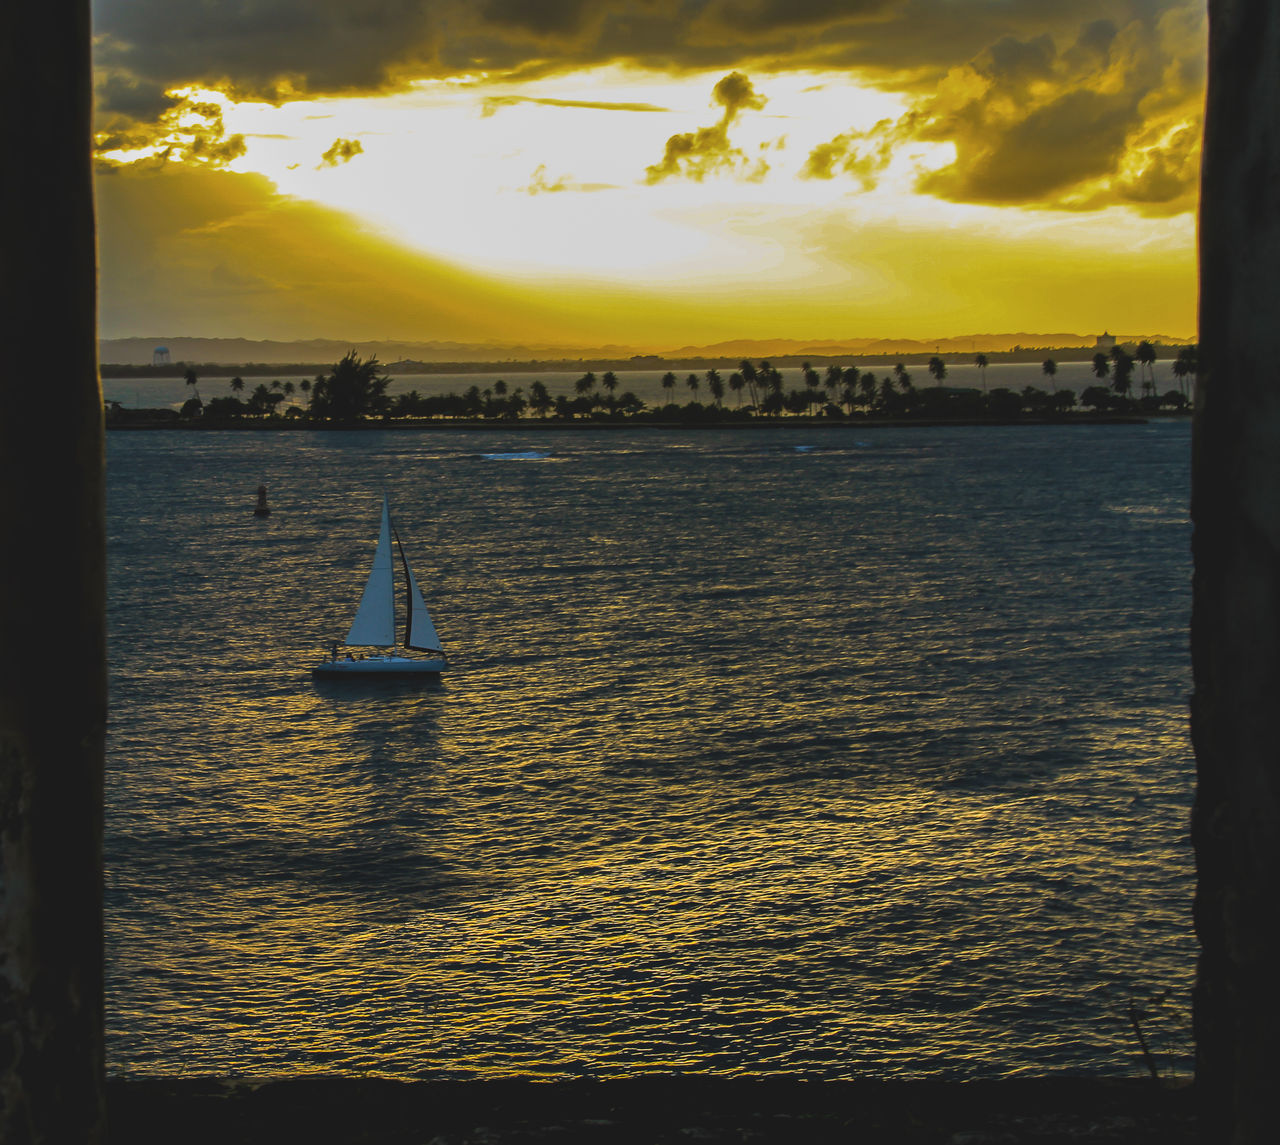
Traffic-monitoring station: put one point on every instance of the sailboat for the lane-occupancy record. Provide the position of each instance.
(374, 626)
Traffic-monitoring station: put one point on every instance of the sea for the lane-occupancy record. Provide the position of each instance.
(825, 752)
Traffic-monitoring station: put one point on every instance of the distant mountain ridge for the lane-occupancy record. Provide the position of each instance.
(243, 351)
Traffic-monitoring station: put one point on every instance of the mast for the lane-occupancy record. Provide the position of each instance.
(408, 595)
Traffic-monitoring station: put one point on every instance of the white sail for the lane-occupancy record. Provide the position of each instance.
(375, 622)
(422, 633)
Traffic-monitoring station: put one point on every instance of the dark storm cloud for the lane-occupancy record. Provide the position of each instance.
(1108, 116)
(262, 48)
(980, 73)
(773, 15)
(547, 18)
(1075, 138)
(276, 48)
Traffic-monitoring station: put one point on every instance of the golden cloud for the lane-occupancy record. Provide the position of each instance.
(342, 151)
(185, 131)
(1111, 117)
(708, 151)
(494, 103)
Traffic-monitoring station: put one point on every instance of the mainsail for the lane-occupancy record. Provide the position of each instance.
(375, 622)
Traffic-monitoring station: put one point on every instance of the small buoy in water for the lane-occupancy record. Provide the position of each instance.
(262, 510)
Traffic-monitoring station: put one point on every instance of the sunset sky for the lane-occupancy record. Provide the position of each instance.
(649, 173)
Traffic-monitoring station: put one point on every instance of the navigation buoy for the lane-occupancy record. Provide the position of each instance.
(262, 510)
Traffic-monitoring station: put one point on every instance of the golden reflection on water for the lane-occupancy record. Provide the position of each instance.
(850, 776)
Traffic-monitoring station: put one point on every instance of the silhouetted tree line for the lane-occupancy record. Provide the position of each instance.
(355, 390)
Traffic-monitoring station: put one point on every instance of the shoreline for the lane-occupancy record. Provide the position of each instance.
(648, 1109)
(791, 360)
(168, 420)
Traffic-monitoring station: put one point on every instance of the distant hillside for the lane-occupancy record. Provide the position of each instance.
(244, 351)
(241, 351)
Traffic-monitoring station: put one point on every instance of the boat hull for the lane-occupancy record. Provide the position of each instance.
(380, 666)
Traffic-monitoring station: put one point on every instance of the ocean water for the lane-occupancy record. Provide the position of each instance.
(834, 753)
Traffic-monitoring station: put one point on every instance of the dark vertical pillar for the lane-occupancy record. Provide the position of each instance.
(1236, 611)
(52, 643)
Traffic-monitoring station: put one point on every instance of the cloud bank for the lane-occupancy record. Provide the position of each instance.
(1076, 104)
(1108, 117)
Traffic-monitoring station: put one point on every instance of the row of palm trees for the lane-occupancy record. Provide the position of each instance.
(1118, 368)
(355, 389)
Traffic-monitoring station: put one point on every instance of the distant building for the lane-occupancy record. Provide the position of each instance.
(1105, 343)
(160, 356)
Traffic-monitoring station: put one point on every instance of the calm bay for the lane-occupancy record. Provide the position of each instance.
(831, 753)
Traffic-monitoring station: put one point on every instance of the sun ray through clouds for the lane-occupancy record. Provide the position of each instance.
(655, 169)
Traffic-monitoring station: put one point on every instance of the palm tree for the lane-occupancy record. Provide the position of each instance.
(585, 384)
(938, 368)
(867, 388)
(904, 379)
(1122, 383)
(1050, 368)
(1184, 365)
(189, 376)
(888, 395)
(1101, 365)
(811, 383)
(715, 385)
(237, 384)
(1146, 354)
(849, 395)
(771, 382)
(736, 384)
(833, 380)
(610, 382)
(772, 377)
(352, 390)
(669, 384)
(539, 398)
(749, 376)
(980, 360)
(693, 382)
(850, 375)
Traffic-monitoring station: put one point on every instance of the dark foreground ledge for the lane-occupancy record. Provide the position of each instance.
(648, 1111)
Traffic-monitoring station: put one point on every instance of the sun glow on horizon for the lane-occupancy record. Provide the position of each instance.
(549, 186)
(548, 179)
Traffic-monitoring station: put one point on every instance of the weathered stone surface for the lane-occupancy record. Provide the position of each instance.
(52, 642)
(1236, 611)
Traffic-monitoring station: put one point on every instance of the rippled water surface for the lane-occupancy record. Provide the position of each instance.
(835, 753)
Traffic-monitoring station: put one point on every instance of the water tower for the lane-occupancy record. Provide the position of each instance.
(160, 356)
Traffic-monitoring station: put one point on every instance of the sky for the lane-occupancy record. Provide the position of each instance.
(646, 173)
